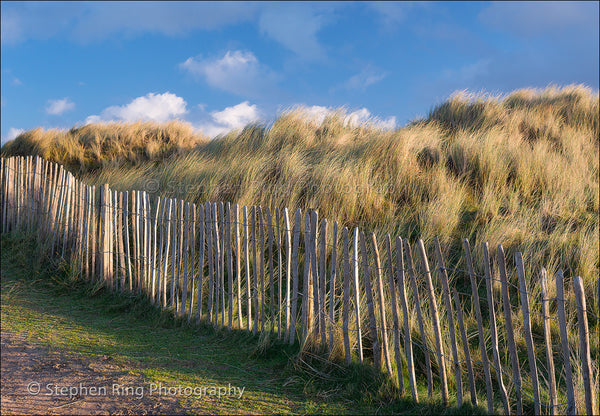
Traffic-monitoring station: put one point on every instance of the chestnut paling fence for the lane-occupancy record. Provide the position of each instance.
(249, 268)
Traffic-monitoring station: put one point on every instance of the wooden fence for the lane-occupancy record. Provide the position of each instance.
(250, 268)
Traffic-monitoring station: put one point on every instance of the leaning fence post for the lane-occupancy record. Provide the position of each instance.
(413, 282)
(528, 336)
(384, 337)
(548, 340)
(584, 344)
(357, 293)
(436, 322)
(346, 304)
(370, 307)
(450, 317)
(492, 314)
(465, 345)
(564, 339)
(484, 357)
(394, 306)
(508, 324)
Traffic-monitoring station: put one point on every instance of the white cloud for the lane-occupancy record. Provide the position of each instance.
(231, 118)
(92, 21)
(317, 114)
(58, 107)
(12, 134)
(368, 76)
(150, 107)
(237, 72)
(295, 27)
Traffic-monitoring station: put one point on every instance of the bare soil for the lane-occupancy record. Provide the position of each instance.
(23, 364)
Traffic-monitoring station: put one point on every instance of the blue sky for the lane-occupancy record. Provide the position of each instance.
(222, 65)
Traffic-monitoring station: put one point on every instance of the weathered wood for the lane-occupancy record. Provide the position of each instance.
(121, 230)
(181, 257)
(450, 316)
(254, 217)
(494, 334)
(291, 334)
(279, 241)
(465, 345)
(584, 346)
(238, 263)
(548, 340)
(508, 324)
(159, 254)
(528, 335)
(346, 289)
(211, 260)
(370, 307)
(394, 308)
(154, 255)
(482, 348)
(357, 295)
(186, 258)
(564, 340)
(407, 337)
(222, 261)
(262, 301)
(192, 249)
(306, 301)
(165, 261)
(201, 248)
(332, 291)
(381, 297)
(416, 298)
(248, 278)
(229, 263)
(313, 289)
(271, 274)
(288, 273)
(322, 274)
(219, 271)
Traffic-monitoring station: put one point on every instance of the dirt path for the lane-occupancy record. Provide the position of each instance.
(45, 372)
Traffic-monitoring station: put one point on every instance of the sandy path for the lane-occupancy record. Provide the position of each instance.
(23, 364)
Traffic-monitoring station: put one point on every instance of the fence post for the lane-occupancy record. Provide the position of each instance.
(229, 263)
(548, 340)
(254, 216)
(305, 282)
(584, 345)
(247, 258)
(508, 324)
(370, 306)
(313, 290)
(288, 271)
(494, 334)
(165, 277)
(357, 294)
(346, 304)
(210, 258)
(262, 302)
(201, 245)
(291, 335)
(394, 307)
(186, 257)
(415, 289)
(407, 338)
(484, 357)
(322, 276)
(384, 337)
(450, 317)
(238, 262)
(219, 271)
(528, 336)
(564, 339)
(271, 274)
(436, 322)
(332, 279)
(465, 344)
(192, 257)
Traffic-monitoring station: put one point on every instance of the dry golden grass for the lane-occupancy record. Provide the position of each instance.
(520, 170)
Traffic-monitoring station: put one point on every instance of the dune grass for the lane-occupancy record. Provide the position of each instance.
(520, 170)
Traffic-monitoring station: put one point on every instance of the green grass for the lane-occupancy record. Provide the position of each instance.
(46, 302)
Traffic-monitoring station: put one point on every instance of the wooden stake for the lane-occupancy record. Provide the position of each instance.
(370, 307)
(384, 337)
(548, 341)
(508, 323)
(584, 346)
(564, 340)
(394, 307)
(528, 336)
